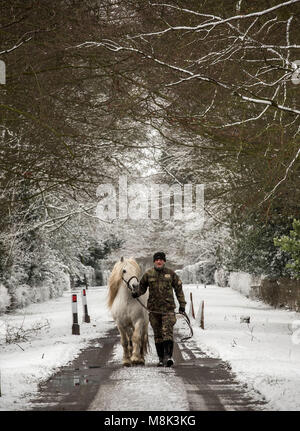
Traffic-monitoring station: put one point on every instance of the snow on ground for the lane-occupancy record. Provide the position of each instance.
(25, 364)
(167, 393)
(263, 353)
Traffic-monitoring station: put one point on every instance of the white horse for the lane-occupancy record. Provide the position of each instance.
(130, 316)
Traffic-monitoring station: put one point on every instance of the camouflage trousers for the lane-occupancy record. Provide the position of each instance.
(162, 325)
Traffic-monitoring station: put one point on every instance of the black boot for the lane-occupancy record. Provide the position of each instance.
(168, 351)
(160, 353)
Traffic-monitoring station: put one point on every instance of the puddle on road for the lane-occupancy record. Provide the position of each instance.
(75, 385)
(66, 383)
(69, 377)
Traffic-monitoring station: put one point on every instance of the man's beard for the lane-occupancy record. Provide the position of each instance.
(159, 268)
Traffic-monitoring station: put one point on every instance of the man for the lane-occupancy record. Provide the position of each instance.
(161, 282)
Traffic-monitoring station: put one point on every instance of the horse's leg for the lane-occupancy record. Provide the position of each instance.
(126, 347)
(129, 337)
(144, 341)
(137, 357)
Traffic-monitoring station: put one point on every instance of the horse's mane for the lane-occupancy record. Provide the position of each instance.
(114, 281)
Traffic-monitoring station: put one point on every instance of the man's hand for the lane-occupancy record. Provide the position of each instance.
(181, 310)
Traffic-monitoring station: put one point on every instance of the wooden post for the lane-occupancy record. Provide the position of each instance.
(192, 305)
(202, 316)
(75, 326)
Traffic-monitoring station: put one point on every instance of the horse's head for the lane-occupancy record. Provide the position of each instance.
(124, 271)
(130, 273)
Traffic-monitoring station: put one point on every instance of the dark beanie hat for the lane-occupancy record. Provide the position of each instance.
(159, 255)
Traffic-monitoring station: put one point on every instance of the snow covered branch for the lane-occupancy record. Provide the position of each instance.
(114, 46)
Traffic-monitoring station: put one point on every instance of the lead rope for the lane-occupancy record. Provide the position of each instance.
(187, 319)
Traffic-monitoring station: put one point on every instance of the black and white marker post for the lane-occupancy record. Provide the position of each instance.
(75, 326)
(86, 317)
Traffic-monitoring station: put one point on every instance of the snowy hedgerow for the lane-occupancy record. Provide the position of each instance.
(105, 275)
(199, 272)
(291, 245)
(252, 248)
(221, 277)
(20, 295)
(242, 282)
(4, 299)
(40, 293)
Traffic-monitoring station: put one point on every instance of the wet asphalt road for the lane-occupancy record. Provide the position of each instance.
(75, 386)
(209, 383)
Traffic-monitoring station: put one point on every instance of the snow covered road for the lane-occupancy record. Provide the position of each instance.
(262, 353)
(97, 381)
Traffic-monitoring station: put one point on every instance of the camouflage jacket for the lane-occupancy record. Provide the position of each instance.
(161, 285)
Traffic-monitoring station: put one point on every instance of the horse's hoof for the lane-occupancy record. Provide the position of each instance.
(126, 364)
(138, 362)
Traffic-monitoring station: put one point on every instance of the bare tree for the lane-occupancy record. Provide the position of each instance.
(217, 79)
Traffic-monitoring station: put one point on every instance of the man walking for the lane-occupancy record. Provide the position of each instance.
(161, 281)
